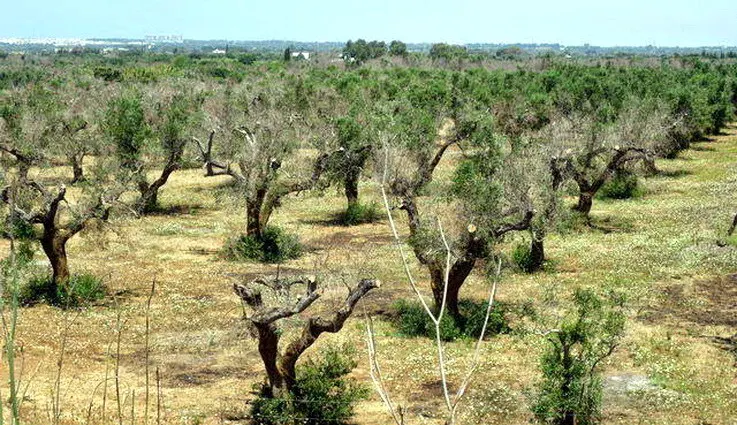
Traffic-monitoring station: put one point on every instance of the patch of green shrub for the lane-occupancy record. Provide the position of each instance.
(522, 256)
(360, 214)
(322, 394)
(83, 289)
(273, 246)
(623, 185)
(108, 74)
(571, 388)
(571, 222)
(412, 320)
(18, 229)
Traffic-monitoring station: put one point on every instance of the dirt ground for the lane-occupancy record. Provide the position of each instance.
(660, 249)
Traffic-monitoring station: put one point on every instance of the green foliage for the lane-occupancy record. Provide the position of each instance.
(179, 114)
(18, 228)
(274, 246)
(82, 289)
(360, 214)
(397, 48)
(125, 123)
(322, 394)
(570, 221)
(623, 185)
(108, 73)
(412, 320)
(360, 51)
(447, 52)
(476, 181)
(571, 385)
(20, 77)
(522, 257)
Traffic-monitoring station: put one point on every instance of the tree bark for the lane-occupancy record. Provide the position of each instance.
(23, 169)
(54, 246)
(569, 418)
(254, 226)
(76, 169)
(732, 226)
(351, 190)
(648, 164)
(585, 202)
(149, 199)
(459, 272)
(537, 250)
(268, 348)
(281, 369)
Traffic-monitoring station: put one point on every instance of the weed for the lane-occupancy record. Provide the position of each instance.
(82, 289)
(273, 246)
(624, 185)
(360, 214)
(412, 320)
(322, 394)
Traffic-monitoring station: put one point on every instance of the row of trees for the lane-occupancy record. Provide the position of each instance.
(513, 143)
(360, 51)
(523, 138)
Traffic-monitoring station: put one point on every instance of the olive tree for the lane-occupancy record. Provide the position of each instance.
(486, 205)
(79, 134)
(151, 131)
(571, 387)
(33, 202)
(265, 319)
(589, 152)
(261, 130)
(28, 122)
(58, 218)
(349, 161)
(347, 113)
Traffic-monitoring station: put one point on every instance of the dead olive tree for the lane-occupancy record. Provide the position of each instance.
(261, 129)
(28, 122)
(590, 152)
(280, 364)
(78, 134)
(34, 126)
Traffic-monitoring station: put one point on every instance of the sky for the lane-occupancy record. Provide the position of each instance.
(684, 23)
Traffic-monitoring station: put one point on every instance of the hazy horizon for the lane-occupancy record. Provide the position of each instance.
(677, 23)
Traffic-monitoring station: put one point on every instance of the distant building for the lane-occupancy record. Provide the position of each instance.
(164, 39)
(219, 52)
(301, 55)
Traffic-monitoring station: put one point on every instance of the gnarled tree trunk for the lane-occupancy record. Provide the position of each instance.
(54, 246)
(350, 184)
(77, 170)
(459, 272)
(585, 202)
(537, 249)
(281, 367)
(55, 236)
(149, 199)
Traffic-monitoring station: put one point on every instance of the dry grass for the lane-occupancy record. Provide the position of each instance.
(661, 250)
